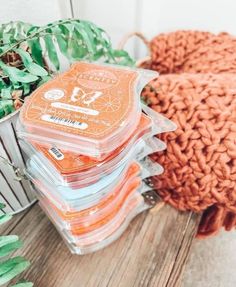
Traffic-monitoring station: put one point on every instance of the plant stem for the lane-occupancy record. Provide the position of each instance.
(31, 36)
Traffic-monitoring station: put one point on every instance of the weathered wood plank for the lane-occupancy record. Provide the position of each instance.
(146, 254)
(7, 227)
(175, 279)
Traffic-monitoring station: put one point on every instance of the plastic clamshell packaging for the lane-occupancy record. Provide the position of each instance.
(118, 193)
(88, 137)
(70, 169)
(86, 222)
(67, 168)
(108, 233)
(69, 200)
(91, 109)
(138, 152)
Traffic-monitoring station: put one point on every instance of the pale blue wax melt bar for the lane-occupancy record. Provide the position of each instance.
(69, 194)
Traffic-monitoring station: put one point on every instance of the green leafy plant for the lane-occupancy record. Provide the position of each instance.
(11, 267)
(31, 55)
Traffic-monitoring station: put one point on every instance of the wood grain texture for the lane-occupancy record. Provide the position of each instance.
(175, 279)
(9, 226)
(150, 253)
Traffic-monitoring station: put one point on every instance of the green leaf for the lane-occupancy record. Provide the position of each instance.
(119, 53)
(23, 284)
(2, 205)
(76, 40)
(7, 265)
(7, 38)
(36, 50)
(2, 84)
(123, 57)
(13, 31)
(32, 30)
(98, 55)
(101, 39)
(76, 51)
(11, 268)
(16, 75)
(2, 112)
(6, 107)
(98, 32)
(30, 66)
(7, 239)
(4, 218)
(62, 36)
(87, 35)
(8, 248)
(6, 93)
(52, 53)
(26, 88)
(21, 29)
(62, 44)
(44, 80)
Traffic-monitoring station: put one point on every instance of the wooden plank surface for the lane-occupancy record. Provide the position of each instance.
(151, 252)
(175, 280)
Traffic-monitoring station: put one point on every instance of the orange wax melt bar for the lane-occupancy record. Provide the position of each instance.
(78, 229)
(91, 109)
(92, 218)
(105, 234)
(132, 173)
(69, 202)
(132, 207)
(109, 201)
(72, 169)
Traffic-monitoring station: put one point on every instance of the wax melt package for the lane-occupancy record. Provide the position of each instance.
(74, 234)
(102, 237)
(88, 220)
(105, 208)
(92, 218)
(71, 200)
(91, 109)
(108, 232)
(88, 139)
(41, 166)
(67, 168)
(115, 192)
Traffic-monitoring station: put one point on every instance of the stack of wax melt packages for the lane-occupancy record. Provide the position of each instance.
(88, 136)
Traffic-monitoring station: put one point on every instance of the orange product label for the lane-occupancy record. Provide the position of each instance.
(69, 163)
(89, 100)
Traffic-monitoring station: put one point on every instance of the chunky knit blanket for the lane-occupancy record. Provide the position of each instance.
(197, 90)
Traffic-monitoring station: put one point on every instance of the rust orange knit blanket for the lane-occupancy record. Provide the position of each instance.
(197, 90)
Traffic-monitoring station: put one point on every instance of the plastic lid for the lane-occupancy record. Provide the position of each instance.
(102, 237)
(105, 228)
(68, 200)
(107, 201)
(92, 218)
(91, 109)
(74, 170)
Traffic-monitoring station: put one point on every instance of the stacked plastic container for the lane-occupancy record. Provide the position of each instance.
(88, 137)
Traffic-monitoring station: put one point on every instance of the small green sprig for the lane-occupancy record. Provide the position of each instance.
(11, 267)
